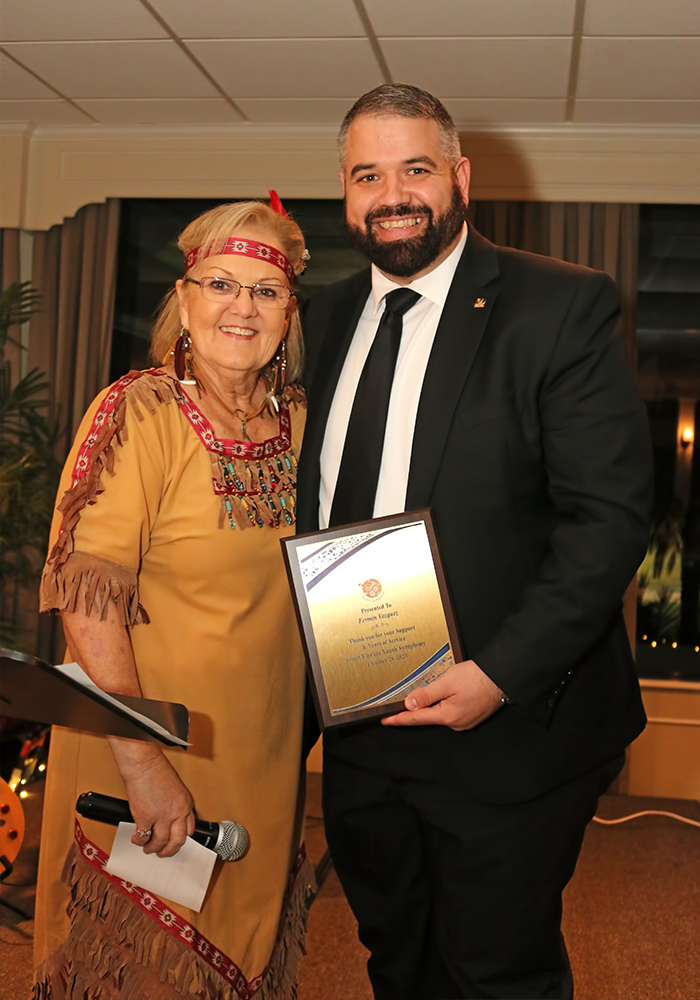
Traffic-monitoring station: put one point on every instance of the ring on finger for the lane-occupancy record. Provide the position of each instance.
(145, 834)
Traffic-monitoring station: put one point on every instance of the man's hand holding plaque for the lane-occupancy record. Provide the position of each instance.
(460, 698)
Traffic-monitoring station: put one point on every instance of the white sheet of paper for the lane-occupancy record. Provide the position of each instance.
(76, 673)
(183, 879)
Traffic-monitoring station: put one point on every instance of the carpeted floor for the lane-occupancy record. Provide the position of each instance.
(631, 915)
(631, 912)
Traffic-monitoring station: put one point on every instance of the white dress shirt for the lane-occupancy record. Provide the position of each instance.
(420, 325)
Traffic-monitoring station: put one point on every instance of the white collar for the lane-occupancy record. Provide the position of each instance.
(433, 286)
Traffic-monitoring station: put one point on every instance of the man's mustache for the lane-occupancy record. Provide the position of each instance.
(395, 211)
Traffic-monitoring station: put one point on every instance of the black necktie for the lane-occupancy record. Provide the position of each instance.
(356, 488)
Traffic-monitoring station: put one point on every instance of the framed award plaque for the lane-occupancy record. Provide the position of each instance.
(374, 614)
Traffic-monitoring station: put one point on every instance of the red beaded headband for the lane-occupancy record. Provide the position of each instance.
(250, 248)
(246, 248)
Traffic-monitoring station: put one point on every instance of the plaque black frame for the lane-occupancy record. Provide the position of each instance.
(313, 662)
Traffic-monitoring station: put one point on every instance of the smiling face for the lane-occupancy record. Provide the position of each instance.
(405, 203)
(239, 337)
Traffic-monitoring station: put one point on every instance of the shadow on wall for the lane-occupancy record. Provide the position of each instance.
(499, 169)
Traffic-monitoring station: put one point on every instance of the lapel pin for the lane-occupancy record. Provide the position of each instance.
(480, 303)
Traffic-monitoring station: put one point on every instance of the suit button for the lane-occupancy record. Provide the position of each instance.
(551, 702)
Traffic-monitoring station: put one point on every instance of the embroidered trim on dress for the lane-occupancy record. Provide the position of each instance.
(255, 480)
(59, 584)
(173, 922)
(124, 941)
(256, 484)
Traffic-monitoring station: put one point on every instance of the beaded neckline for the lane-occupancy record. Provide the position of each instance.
(256, 480)
(230, 446)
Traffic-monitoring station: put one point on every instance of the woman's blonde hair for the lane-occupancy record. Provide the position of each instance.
(212, 229)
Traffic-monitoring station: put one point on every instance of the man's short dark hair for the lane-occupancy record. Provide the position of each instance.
(401, 100)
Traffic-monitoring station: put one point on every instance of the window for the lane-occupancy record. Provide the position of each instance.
(149, 263)
(668, 348)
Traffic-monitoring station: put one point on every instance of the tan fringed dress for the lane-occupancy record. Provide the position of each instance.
(182, 531)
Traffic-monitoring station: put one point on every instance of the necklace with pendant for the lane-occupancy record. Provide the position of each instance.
(245, 418)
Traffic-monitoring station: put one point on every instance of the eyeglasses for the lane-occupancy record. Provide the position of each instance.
(269, 296)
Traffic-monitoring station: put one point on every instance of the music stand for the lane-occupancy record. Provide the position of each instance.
(34, 690)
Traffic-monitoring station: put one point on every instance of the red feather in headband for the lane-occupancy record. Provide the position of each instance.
(276, 205)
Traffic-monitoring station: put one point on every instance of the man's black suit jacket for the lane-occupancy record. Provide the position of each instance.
(531, 448)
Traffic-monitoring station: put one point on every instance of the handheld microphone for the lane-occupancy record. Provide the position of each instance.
(228, 839)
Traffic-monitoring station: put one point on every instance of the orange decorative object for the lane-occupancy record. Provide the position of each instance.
(371, 588)
(11, 827)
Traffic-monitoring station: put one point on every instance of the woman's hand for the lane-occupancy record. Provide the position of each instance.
(158, 799)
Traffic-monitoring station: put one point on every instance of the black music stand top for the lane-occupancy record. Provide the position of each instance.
(34, 690)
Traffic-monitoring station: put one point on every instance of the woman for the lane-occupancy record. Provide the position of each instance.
(166, 567)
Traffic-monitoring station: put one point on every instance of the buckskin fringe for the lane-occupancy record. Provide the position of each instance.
(104, 581)
(116, 951)
(280, 979)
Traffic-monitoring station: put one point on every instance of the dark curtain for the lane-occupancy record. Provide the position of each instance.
(70, 339)
(75, 268)
(10, 271)
(604, 236)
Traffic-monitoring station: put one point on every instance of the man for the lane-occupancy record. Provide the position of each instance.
(455, 824)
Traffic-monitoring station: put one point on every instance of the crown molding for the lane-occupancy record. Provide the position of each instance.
(267, 131)
(142, 133)
(50, 172)
(16, 130)
(572, 130)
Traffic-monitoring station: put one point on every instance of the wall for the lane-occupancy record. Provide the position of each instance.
(665, 759)
(49, 173)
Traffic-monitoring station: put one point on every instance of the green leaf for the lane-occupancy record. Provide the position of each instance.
(18, 302)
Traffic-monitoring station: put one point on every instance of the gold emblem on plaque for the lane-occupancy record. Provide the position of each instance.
(372, 589)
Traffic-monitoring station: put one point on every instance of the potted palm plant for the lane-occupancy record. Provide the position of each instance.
(29, 471)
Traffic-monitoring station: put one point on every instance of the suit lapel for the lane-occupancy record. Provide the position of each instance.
(344, 316)
(457, 340)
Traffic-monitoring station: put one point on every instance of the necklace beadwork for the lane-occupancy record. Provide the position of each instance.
(265, 495)
(256, 481)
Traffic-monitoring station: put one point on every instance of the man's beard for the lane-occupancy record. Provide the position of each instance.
(404, 258)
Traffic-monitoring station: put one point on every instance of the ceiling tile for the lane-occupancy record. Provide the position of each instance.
(276, 19)
(18, 85)
(642, 17)
(114, 69)
(513, 111)
(638, 112)
(641, 68)
(283, 110)
(49, 21)
(468, 18)
(290, 68)
(41, 113)
(163, 112)
(482, 67)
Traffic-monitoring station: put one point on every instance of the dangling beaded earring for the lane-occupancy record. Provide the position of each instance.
(280, 379)
(181, 352)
